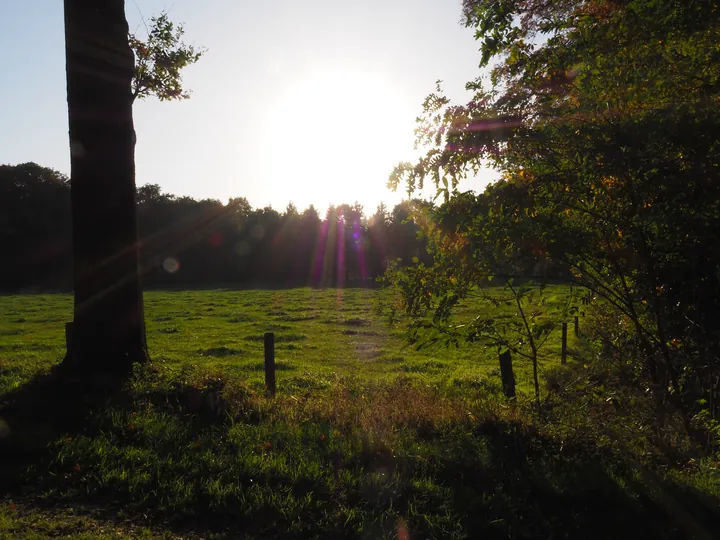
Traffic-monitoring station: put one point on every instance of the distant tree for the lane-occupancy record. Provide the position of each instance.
(331, 213)
(403, 232)
(240, 210)
(351, 214)
(35, 228)
(149, 194)
(309, 244)
(378, 241)
(184, 242)
(291, 210)
(381, 217)
(159, 60)
(108, 332)
(347, 220)
(311, 214)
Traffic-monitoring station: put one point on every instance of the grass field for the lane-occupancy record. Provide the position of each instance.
(367, 438)
(320, 334)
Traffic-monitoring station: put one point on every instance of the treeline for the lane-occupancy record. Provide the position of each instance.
(198, 243)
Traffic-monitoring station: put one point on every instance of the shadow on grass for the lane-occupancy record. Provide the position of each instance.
(489, 479)
(570, 490)
(47, 407)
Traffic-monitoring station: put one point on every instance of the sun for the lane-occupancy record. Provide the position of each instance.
(334, 137)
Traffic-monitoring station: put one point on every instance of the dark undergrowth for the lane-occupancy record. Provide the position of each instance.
(201, 453)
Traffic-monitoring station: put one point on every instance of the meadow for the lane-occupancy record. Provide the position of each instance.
(320, 334)
(366, 438)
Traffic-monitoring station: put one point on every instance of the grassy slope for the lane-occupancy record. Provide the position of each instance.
(365, 438)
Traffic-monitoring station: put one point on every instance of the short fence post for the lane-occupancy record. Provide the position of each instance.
(577, 326)
(507, 375)
(563, 357)
(270, 362)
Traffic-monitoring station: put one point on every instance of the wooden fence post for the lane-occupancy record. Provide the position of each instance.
(270, 362)
(563, 357)
(507, 375)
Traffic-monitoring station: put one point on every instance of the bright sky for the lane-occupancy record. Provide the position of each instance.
(312, 101)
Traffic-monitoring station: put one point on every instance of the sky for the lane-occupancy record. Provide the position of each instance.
(308, 101)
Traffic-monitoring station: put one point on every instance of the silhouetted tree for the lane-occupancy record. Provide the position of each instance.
(108, 329)
(35, 228)
(103, 80)
(378, 246)
(186, 242)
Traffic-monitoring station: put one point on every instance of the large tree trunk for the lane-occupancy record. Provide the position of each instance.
(108, 332)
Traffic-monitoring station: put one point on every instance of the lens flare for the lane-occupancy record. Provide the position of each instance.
(171, 265)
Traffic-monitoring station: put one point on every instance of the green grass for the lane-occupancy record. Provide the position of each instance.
(365, 438)
(319, 333)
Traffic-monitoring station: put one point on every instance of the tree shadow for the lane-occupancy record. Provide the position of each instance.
(505, 480)
(44, 409)
(526, 485)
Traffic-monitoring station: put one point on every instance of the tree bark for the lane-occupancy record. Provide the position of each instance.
(108, 332)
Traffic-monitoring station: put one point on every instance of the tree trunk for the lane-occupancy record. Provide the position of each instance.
(108, 333)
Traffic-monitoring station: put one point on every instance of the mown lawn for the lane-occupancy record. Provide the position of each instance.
(367, 438)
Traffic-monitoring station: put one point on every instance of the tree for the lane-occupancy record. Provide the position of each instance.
(473, 245)
(108, 332)
(195, 243)
(403, 231)
(150, 194)
(241, 210)
(291, 211)
(603, 116)
(159, 60)
(378, 249)
(103, 80)
(35, 228)
(311, 214)
(381, 217)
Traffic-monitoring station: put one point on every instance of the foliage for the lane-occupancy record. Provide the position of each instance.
(160, 58)
(194, 243)
(603, 119)
(35, 224)
(474, 244)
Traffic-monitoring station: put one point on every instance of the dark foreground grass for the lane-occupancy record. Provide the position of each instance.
(352, 446)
